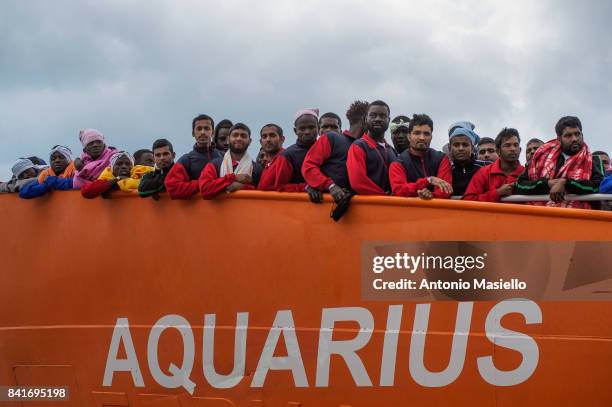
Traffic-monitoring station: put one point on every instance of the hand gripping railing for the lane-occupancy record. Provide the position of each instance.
(568, 197)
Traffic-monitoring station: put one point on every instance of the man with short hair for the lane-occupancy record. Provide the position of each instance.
(153, 182)
(324, 167)
(285, 173)
(330, 122)
(235, 170)
(370, 156)
(531, 148)
(182, 180)
(221, 135)
(462, 148)
(399, 133)
(605, 160)
(420, 170)
(495, 181)
(487, 150)
(563, 165)
(271, 139)
(144, 157)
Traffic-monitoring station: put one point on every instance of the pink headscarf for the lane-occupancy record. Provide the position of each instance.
(311, 111)
(88, 135)
(93, 168)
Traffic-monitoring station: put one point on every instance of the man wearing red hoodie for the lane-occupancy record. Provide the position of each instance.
(495, 181)
(182, 180)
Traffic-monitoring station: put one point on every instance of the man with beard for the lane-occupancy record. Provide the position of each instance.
(235, 170)
(563, 165)
(182, 180)
(285, 173)
(330, 122)
(421, 171)
(462, 142)
(324, 167)
(399, 133)
(153, 183)
(532, 147)
(495, 181)
(487, 150)
(369, 157)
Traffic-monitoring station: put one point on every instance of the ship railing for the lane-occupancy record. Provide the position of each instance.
(568, 197)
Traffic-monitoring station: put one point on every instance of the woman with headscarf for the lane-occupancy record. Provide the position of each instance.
(121, 175)
(24, 171)
(95, 158)
(58, 176)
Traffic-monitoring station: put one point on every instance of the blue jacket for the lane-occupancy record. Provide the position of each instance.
(606, 185)
(36, 190)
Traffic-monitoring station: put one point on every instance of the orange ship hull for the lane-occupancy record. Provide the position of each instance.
(90, 290)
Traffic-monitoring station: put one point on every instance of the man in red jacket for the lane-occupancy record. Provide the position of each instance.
(285, 174)
(271, 139)
(369, 157)
(324, 166)
(420, 170)
(235, 170)
(182, 180)
(495, 181)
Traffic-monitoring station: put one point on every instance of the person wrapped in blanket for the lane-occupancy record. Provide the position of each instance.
(58, 176)
(562, 165)
(24, 171)
(121, 175)
(94, 159)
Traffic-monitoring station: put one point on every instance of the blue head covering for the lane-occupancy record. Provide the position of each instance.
(462, 124)
(460, 131)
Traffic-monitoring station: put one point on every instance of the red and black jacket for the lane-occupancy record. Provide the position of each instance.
(368, 166)
(182, 180)
(409, 173)
(285, 172)
(325, 162)
(211, 184)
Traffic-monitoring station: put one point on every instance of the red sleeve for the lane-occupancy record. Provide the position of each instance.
(358, 174)
(445, 173)
(178, 184)
(211, 184)
(95, 188)
(283, 173)
(478, 189)
(311, 168)
(399, 182)
(266, 182)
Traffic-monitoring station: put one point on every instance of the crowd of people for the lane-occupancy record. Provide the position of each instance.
(327, 159)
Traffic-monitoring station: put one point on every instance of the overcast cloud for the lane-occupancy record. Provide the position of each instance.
(138, 71)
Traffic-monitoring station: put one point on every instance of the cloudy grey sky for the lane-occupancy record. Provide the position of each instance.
(141, 70)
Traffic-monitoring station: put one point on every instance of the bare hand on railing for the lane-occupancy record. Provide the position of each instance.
(315, 195)
(234, 186)
(425, 194)
(557, 189)
(440, 183)
(505, 190)
(244, 178)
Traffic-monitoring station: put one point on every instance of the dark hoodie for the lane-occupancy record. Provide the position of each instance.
(182, 180)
